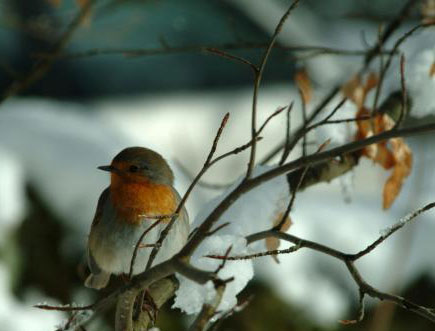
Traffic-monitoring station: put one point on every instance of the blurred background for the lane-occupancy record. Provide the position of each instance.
(135, 73)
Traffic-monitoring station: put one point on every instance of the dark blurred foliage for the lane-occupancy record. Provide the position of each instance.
(34, 26)
(28, 28)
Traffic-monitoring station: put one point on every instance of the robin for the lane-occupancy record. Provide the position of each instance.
(141, 187)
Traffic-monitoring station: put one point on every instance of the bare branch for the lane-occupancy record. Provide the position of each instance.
(232, 57)
(208, 310)
(255, 255)
(392, 229)
(224, 260)
(349, 259)
(275, 113)
(64, 308)
(395, 23)
(361, 311)
(374, 293)
(309, 160)
(136, 248)
(404, 107)
(167, 50)
(398, 43)
(206, 166)
(257, 81)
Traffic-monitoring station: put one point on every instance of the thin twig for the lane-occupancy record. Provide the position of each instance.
(288, 129)
(208, 310)
(280, 224)
(289, 144)
(361, 310)
(136, 248)
(391, 230)
(224, 260)
(220, 227)
(396, 46)
(304, 121)
(255, 255)
(349, 259)
(202, 183)
(234, 151)
(139, 52)
(394, 24)
(309, 160)
(404, 106)
(65, 308)
(257, 82)
(232, 57)
(275, 113)
(381, 74)
(180, 206)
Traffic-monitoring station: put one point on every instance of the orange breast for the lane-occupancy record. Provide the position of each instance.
(134, 201)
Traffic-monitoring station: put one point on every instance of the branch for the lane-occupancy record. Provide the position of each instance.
(257, 81)
(208, 310)
(309, 160)
(404, 105)
(206, 166)
(160, 292)
(398, 43)
(391, 230)
(232, 57)
(394, 24)
(139, 52)
(349, 259)
(255, 255)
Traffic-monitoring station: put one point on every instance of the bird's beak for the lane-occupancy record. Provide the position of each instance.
(108, 168)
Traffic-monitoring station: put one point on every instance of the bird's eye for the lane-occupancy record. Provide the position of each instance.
(133, 168)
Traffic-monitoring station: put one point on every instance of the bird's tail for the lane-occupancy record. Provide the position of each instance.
(98, 281)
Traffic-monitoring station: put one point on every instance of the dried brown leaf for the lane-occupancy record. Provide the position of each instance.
(273, 243)
(428, 11)
(304, 84)
(356, 90)
(432, 70)
(393, 154)
(353, 90)
(402, 169)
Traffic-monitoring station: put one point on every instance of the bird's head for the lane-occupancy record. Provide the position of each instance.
(141, 165)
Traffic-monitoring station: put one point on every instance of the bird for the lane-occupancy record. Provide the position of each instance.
(141, 189)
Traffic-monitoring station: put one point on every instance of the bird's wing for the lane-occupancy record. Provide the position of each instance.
(183, 220)
(100, 206)
(98, 278)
